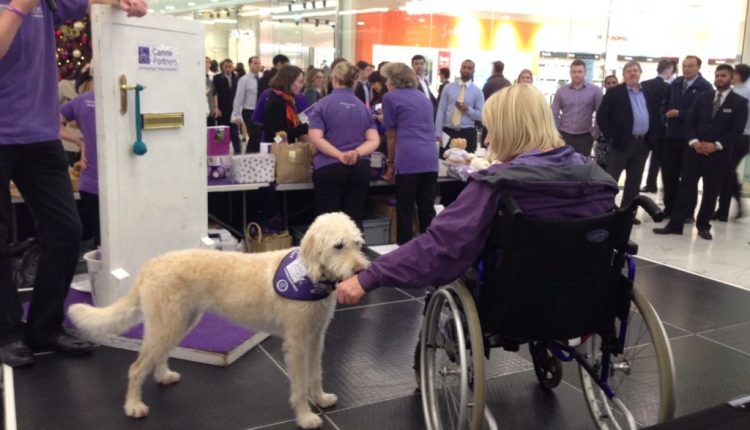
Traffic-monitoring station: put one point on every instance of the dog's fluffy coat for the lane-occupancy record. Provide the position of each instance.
(173, 290)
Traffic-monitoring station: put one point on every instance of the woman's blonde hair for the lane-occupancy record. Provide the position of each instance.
(346, 73)
(518, 119)
(310, 80)
(399, 75)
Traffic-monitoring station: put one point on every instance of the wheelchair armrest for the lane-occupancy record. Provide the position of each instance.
(631, 248)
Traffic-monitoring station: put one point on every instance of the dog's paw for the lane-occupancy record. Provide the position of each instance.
(136, 410)
(326, 400)
(309, 421)
(168, 377)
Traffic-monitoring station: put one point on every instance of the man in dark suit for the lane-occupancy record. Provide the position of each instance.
(418, 64)
(279, 61)
(362, 89)
(714, 125)
(225, 88)
(677, 101)
(655, 89)
(732, 186)
(624, 119)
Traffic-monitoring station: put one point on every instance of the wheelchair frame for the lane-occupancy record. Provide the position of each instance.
(465, 344)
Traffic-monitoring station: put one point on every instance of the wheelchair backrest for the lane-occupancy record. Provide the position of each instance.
(553, 279)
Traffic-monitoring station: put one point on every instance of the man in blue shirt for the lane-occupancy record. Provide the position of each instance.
(624, 121)
(460, 107)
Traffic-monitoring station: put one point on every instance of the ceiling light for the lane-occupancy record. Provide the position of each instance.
(357, 11)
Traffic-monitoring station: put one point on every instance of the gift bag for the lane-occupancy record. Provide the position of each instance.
(259, 241)
(293, 162)
(253, 168)
(217, 141)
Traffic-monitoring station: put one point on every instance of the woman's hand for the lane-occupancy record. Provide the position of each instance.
(390, 173)
(349, 158)
(134, 7)
(349, 291)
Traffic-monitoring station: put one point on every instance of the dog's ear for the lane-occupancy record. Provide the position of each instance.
(307, 248)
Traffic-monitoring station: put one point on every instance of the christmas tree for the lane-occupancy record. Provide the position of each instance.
(73, 47)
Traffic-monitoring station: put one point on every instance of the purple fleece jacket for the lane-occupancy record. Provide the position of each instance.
(557, 184)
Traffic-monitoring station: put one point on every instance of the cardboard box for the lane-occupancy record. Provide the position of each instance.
(385, 206)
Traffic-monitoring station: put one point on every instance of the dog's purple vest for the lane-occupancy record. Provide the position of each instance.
(291, 281)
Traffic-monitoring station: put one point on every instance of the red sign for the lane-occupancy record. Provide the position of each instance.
(444, 59)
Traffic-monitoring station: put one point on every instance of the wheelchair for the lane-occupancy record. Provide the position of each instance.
(564, 287)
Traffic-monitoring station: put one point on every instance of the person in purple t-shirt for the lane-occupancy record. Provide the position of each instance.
(412, 153)
(32, 155)
(547, 179)
(82, 111)
(344, 133)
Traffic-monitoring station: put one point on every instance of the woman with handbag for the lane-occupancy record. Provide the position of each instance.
(344, 133)
(280, 111)
(412, 153)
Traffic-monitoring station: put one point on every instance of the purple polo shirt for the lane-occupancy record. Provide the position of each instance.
(573, 108)
(82, 110)
(455, 238)
(344, 120)
(410, 114)
(28, 76)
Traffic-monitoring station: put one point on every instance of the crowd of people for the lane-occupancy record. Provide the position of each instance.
(625, 124)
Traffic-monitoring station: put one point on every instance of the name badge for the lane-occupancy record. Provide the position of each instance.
(727, 110)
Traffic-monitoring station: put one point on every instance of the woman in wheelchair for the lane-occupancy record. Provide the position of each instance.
(533, 165)
(556, 194)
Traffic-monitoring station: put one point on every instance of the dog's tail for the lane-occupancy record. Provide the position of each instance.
(114, 319)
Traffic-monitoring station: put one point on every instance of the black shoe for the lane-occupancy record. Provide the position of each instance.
(717, 217)
(690, 220)
(62, 343)
(705, 234)
(667, 230)
(648, 189)
(636, 221)
(16, 354)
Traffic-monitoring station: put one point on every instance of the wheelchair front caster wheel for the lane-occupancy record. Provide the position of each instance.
(547, 366)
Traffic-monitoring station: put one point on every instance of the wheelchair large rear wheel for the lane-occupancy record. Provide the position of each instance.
(452, 361)
(642, 377)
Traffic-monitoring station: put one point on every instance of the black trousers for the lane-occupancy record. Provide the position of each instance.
(470, 134)
(582, 143)
(732, 186)
(712, 168)
(419, 188)
(673, 153)
(40, 170)
(654, 164)
(88, 210)
(631, 159)
(342, 188)
(253, 131)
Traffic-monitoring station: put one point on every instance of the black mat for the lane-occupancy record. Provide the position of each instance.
(692, 302)
(88, 393)
(368, 353)
(368, 363)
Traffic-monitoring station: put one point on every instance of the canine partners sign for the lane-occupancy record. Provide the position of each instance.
(158, 58)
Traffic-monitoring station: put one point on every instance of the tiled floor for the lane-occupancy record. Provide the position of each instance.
(369, 353)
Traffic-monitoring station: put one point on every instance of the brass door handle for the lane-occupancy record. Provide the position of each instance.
(124, 88)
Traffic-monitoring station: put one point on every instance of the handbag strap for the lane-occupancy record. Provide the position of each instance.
(249, 232)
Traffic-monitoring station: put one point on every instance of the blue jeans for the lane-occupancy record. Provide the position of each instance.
(40, 171)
